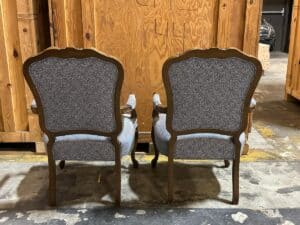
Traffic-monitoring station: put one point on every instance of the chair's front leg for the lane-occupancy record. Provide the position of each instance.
(52, 175)
(236, 171)
(235, 181)
(134, 161)
(62, 164)
(117, 172)
(171, 169)
(156, 152)
(227, 163)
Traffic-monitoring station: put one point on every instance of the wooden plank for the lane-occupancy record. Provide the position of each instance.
(288, 83)
(231, 24)
(223, 23)
(20, 136)
(12, 89)
(88, 22)
(142, 34)
(73, 23)
(57, 19)
(66, 19)
(32, 32)
(292, 76)
(296, 57)
(40, 148)
(29, 39)
(237, 27)
(28, 7)
(252, 26)
(201, 30)
(51, 23)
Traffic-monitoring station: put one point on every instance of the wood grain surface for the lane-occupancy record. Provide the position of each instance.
(293, 71)
(142, 34)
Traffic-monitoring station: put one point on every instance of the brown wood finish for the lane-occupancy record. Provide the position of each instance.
(22, 34)
(76, 53)
(252, 26)
(210, 53)
(32, 32)
(12, 89)
(144, 33)
(293, 72)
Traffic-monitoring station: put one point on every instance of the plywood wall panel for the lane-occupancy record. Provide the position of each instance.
(12, 88)
(293, 71)
(142, 34)
(252, 26)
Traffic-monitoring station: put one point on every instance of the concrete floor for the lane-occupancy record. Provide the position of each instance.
(269, 179)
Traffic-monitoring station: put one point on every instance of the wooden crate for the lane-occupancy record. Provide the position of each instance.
(293, 71)
(23, 17)
(264, 55)
(142, 34)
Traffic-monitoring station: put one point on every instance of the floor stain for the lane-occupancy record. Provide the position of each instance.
(288, 190)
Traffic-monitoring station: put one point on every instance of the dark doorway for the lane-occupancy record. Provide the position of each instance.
(278, 13)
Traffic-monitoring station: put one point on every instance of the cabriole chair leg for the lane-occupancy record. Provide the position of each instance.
(156, 152)
(227, 163)
(235, 182)
(52, 183)
(170, 180)
(154, 161)
(62, 164)
(134, 161)
(118, 178)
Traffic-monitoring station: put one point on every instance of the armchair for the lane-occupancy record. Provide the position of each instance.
(77, 95)
(208, 97)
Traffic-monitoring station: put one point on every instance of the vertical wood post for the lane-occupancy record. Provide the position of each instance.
(12, 87)
(252, 26)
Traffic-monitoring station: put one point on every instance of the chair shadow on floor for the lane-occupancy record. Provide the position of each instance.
(192, 182)
(78, 184)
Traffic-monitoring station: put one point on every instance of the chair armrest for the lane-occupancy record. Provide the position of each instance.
(252, 104)
(34, 107)
(129, 108)
(157, 106)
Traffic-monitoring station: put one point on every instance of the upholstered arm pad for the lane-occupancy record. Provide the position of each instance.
(252, 104)
(157, 106)
(34, 107)
(129, 108)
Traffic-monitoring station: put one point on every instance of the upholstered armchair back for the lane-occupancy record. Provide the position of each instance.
(210, 89)
(76, 90)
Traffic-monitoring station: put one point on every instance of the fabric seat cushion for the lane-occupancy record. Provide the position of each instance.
(94, 147)
(195, 146)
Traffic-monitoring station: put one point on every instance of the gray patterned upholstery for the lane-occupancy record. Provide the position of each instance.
(93, 147)
(194, 146)
(76, 94)
(210, 93)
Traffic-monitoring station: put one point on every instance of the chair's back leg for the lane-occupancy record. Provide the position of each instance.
(171, 169)
(52, 176)
(62, 164)
(235, 180)
(170, 179)
(117, 173)
(226, 163)
(156, 152)
(134, 161)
